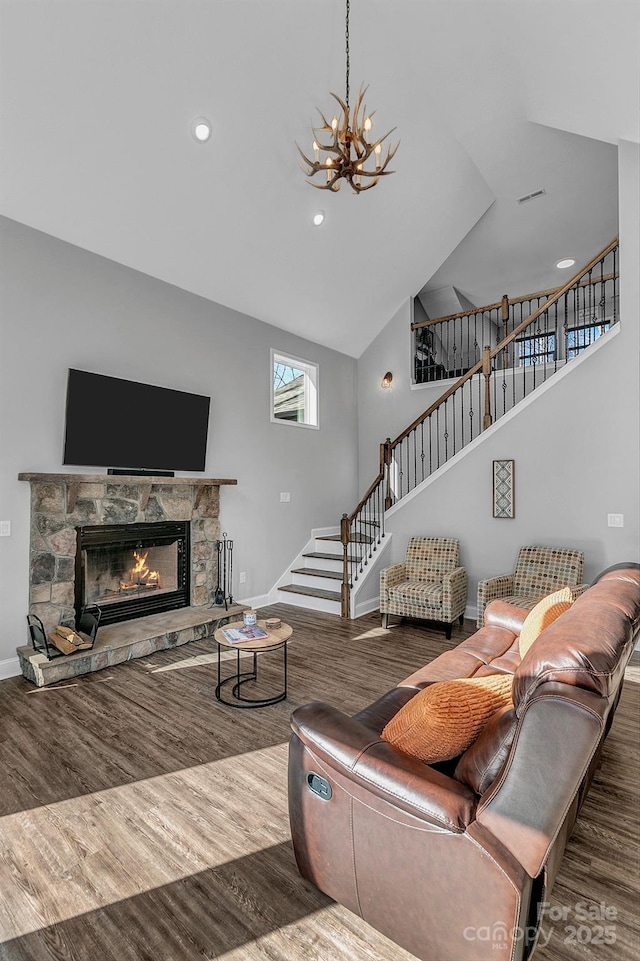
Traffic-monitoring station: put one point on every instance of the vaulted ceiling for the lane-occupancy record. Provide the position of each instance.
(492, 99)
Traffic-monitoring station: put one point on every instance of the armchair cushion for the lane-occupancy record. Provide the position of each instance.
(441, 721)
(418, 594)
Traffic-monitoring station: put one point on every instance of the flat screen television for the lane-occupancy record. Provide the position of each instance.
(121, 424)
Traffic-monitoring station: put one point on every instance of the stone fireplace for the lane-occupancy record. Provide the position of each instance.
(66, 507)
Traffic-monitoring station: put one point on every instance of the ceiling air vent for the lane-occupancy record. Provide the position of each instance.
(532, 196)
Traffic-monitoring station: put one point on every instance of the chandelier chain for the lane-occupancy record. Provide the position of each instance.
(346, 39)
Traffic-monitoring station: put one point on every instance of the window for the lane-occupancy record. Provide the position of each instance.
(580, 337)
(540, 349)
(294, 390)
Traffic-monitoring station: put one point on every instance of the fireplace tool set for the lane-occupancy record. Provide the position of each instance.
(224, 587)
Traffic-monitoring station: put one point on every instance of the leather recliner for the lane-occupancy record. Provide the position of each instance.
(451, 861)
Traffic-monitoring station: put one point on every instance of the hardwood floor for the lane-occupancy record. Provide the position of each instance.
(141, 820)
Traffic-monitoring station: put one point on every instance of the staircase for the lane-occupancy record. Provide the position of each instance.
(317, 578)
(535, 336)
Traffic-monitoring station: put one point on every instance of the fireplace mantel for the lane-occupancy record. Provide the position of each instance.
(143, 481)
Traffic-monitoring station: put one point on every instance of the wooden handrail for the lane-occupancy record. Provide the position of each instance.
(417, 324)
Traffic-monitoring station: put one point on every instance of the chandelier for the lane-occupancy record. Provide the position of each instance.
(351, 154)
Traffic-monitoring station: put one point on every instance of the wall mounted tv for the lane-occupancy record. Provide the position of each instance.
(121, 424)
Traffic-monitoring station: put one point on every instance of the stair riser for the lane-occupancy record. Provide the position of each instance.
(309, 580)
(335, 547)
(335, 566)
(310, 603)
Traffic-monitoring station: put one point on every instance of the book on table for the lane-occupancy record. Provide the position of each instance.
(251, 632)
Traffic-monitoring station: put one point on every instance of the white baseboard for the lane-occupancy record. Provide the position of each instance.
(366, 607)
(10, 667)
(260, 600)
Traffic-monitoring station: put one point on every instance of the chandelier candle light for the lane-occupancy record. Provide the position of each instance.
(351, 152)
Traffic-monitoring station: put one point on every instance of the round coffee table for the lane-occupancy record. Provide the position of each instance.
(276, 640)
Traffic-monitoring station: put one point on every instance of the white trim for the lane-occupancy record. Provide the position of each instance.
(260, 600)
(366, 607)
(506, 418)
(10, 667)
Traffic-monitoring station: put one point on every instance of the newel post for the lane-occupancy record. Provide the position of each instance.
(344, 592)
(504, 316)
(385, 465)
(486, 370)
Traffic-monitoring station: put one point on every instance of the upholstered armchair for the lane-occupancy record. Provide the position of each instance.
(428, 584)
(539, 571)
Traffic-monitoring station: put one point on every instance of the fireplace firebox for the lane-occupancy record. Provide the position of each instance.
(131, 570)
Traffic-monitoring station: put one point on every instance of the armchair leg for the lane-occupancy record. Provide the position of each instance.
(385, 621)
(461, 620)
(447, 629)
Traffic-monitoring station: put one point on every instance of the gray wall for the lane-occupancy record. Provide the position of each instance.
(575, 447)
(65, 307)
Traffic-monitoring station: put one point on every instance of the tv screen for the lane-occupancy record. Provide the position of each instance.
(122, 424)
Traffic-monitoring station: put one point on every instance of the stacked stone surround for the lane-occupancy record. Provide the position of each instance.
(62, 502)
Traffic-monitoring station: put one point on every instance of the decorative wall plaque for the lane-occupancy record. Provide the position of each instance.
(503, 488)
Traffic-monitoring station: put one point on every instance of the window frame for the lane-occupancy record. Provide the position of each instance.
(311, 372)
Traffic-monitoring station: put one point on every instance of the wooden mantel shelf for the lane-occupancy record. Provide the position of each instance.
(140, 479)
(144, 481)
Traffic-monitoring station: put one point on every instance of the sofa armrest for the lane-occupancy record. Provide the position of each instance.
(391, 576)
(493, 589)
(454, 594)
(353, 751)
(528, 803)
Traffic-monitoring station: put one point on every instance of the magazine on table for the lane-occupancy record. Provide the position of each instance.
(251, 632)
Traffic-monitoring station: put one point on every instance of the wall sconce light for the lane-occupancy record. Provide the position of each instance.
(386, 380)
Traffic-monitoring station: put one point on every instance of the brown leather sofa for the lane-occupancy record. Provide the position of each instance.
(452, 861)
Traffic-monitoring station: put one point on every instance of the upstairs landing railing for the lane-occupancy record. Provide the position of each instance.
(555, 329)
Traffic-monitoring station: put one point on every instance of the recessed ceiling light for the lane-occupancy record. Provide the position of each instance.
(567, 262)
(318, 218)
(201, 129)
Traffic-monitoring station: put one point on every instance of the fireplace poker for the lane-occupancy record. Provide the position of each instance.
(230, 571)
(218, 597)
(224, 566)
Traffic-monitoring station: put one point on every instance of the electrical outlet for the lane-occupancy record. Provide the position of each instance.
(285, 497)
(615, 520)
(243, 577)
(5, 528)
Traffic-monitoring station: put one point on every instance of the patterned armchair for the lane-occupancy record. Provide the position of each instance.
(429, 584)
(539, 570)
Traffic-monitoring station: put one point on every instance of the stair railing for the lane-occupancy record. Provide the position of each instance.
(446, 347)
(571, 318)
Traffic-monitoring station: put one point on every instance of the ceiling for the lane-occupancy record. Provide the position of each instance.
(491, 100)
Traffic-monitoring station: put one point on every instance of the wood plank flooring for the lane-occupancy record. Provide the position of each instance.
(141, 820)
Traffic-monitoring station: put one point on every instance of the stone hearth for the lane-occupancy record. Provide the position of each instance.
(117, 643)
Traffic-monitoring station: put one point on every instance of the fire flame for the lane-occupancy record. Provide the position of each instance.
(141, 572)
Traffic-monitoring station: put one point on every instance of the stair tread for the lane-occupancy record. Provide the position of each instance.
(354, 539)
(330, 557)
(316, 572)
(311, 592)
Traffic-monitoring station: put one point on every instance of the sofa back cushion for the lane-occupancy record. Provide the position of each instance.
(481, 763)
(539, 570)
(429, 558)
(588, 646)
